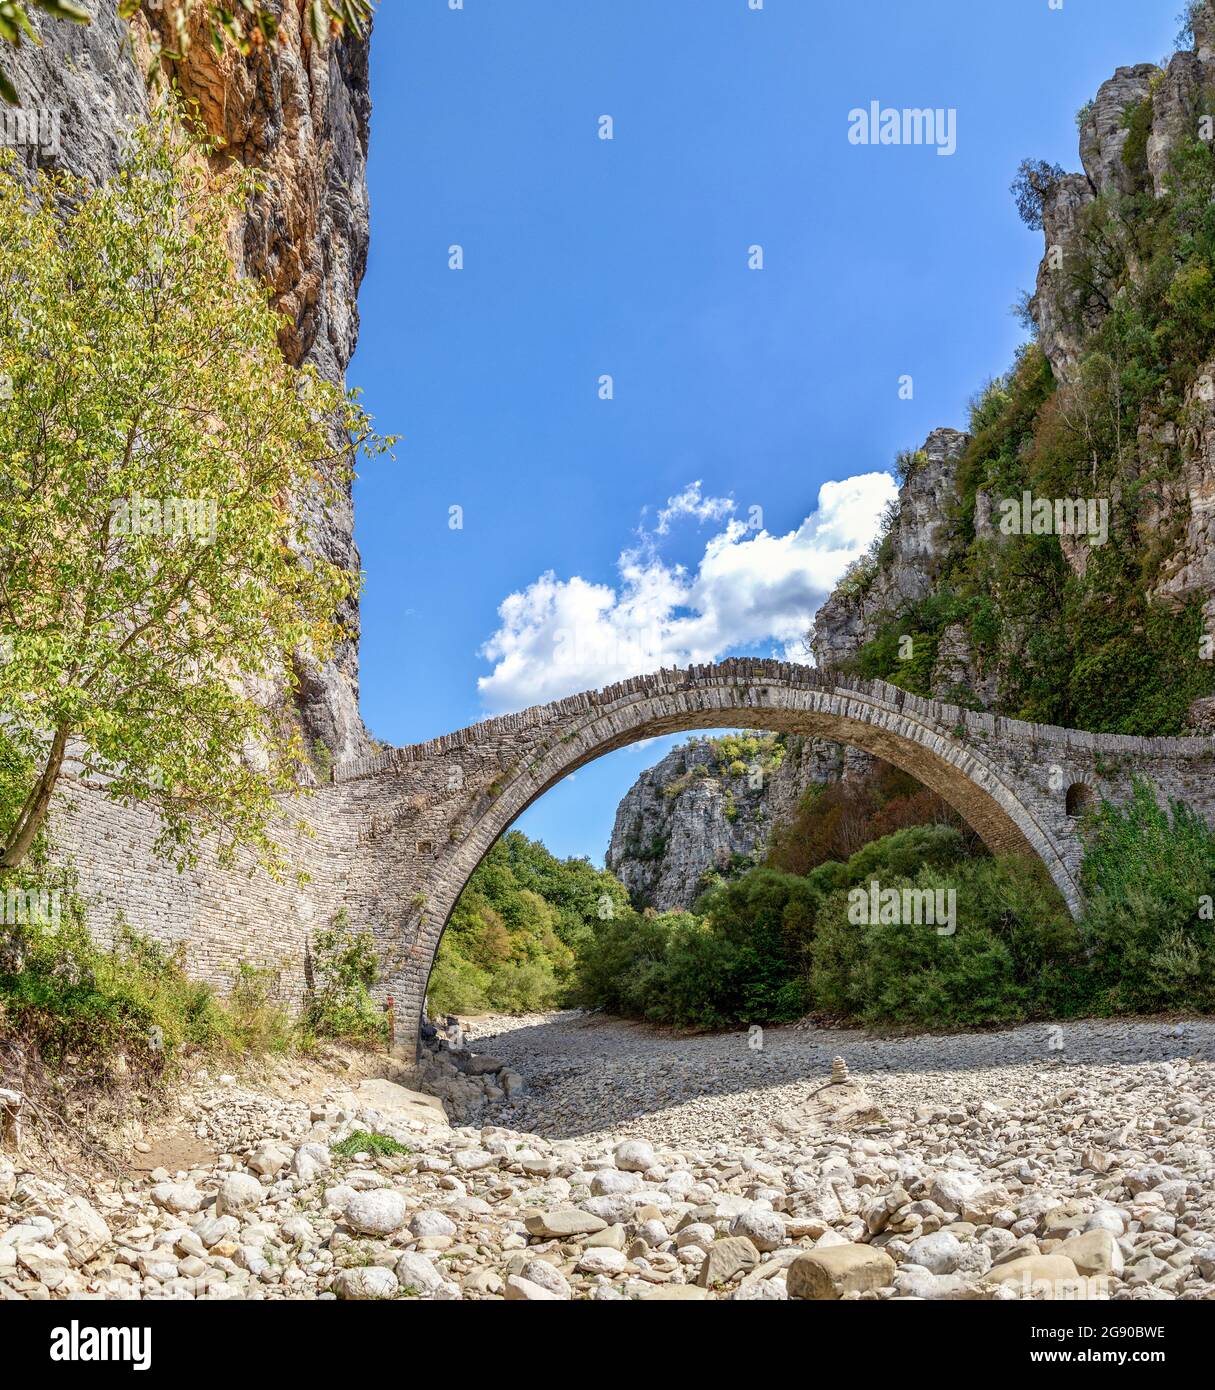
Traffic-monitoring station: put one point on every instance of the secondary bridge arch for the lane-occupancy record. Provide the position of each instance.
(428, 814)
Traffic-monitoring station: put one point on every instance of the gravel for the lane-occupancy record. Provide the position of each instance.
(628, 1164)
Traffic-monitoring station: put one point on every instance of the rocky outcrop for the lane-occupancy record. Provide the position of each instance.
(1072, 296)
(1127, 136)
(1188, 504)
(299, 115)
(690, 816)
(1104, 132)
(1062, 311)
(909, 560)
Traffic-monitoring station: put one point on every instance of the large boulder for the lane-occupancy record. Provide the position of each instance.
(397, 1104)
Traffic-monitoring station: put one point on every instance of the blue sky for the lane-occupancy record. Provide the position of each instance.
(682, 518)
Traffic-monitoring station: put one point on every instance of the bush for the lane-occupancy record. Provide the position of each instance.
(344, 968)
(834, 822)
(702, 982)
(616, 967)
(1146, 873)
(772, 946)
(514, 931)
(456, 985)
(64, 995)
(258, 1023)
(524, 987)
(1013, 955)
(382, 1145)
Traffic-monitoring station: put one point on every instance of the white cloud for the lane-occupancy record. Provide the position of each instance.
(690, 502)
(560, 636)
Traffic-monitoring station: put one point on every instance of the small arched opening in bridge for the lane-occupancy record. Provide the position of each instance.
(1081, 799)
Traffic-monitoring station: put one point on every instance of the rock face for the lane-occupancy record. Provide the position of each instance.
(1127, 136)
(910, 559)
(297, 114)
(689, 816)
(1188, 502)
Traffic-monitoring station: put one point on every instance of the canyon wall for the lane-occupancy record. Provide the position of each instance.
(691, 817)
(300, 116)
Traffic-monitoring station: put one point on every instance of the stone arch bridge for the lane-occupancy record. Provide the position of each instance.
(416, 821)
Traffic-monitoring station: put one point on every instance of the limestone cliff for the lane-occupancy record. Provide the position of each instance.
(298, 114)
(1112, 405)
(907, 565)
(700, 812)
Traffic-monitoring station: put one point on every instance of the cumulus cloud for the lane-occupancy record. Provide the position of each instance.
(750, 588)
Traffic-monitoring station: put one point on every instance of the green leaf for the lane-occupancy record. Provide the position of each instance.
(128, 9)
(7, 90)
(23, 22)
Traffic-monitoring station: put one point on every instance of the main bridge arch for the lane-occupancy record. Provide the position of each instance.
(428, 814)
(970, 782)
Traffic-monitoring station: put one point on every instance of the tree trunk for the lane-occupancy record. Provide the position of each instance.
(38, 803)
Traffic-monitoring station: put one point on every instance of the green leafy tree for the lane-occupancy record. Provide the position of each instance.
(1031, 186)
(154, 566)
(515, 930)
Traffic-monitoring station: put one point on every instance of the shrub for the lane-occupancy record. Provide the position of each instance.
(513, 933)
(1014, 953)
(1031, 186)
(456, 986)
(834, 822)
(63, 994)
(1146, 872)
(344, 968)
(360, 1142)
(258, 1023)
(615, 966)
(523, 987)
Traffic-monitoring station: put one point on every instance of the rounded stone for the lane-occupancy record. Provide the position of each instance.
(379, 1212)
(432, 1223)
(366, 1282)
(939, 1253)
(764, 1229)
(634, 1156)
(237, 1193)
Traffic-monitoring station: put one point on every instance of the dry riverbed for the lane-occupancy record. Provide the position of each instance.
(595, 1158)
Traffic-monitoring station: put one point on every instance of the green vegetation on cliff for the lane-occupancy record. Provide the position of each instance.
(1094, 644)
